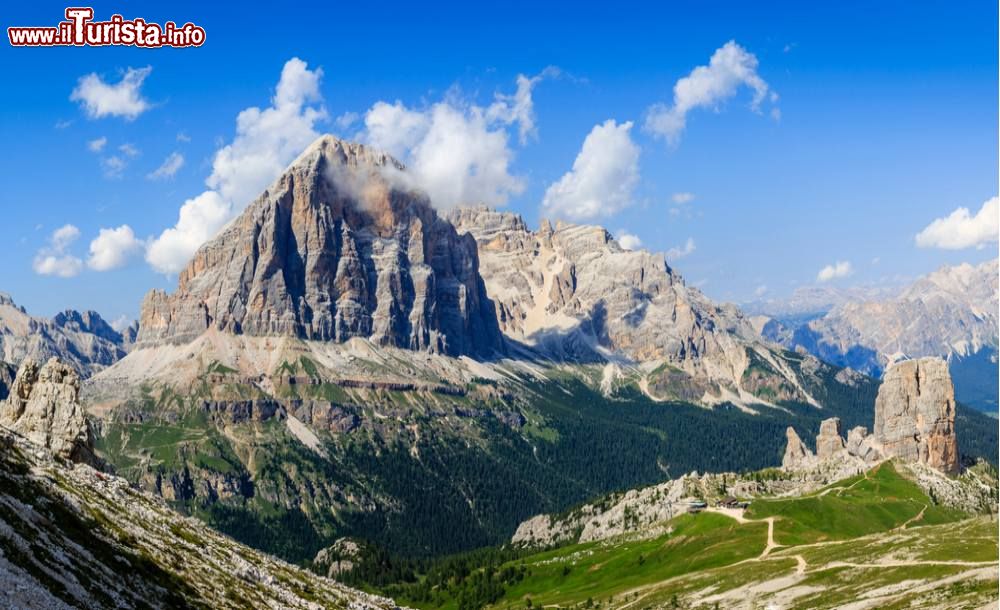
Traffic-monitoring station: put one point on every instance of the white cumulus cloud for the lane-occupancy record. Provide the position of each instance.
(682, 198)
(838, 269)
(170, 166)
(602, 180)
(199, 220)
(680, 252)
(730, 68)
(961, 229)
(112, 248)
(122, 99)
(454, 152)
(54, 259)
(266, 141)
(97, 145)
(627, 240)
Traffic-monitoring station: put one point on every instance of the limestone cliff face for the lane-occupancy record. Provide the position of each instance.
(43, 405)
(915, 414)
(572, 291)
(335, 249)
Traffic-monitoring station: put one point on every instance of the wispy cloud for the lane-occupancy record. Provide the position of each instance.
(837, 270)
(97, 145)
(170, 166)
(54, 258)
(680, 252)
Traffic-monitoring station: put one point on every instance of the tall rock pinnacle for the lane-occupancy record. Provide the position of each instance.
(915, 414)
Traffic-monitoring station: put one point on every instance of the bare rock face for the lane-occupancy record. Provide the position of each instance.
(7, 374)
(915, 414)
(338, 247)
(572, 291)
(796, 453)
(44, 407)
(829, 442)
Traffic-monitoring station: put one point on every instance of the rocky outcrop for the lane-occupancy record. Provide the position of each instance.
(43, 405)
(796, 453)
(339, 557)
(82, 340)
(336, 248)
(829, 441)
(914, 422)
(915, 414)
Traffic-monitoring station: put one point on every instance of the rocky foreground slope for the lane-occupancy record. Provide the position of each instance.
(75, 537)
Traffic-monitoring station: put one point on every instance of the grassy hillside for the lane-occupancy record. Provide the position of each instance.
(859, 537)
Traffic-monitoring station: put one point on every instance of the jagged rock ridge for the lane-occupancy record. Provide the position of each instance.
(951, 312)
(83, 340)
(574, 293)
(334, 249)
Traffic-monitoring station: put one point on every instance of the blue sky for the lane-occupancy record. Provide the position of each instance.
(888, 121)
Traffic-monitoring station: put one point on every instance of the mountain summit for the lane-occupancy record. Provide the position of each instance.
(337, 247)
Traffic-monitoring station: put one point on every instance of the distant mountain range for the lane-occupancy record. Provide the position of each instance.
(83, 340)
(950, 313)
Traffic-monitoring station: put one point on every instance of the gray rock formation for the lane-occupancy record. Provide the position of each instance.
(915, 414)
(334, 249)
(796, 453)
(829, 441)
(83, 340)
(572, 292)
(43, 405)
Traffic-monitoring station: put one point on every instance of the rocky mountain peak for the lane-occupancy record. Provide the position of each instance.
(339, 246)
(87, 322)
(44, 406)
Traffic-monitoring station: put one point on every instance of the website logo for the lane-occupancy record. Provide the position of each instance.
(80, 30)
